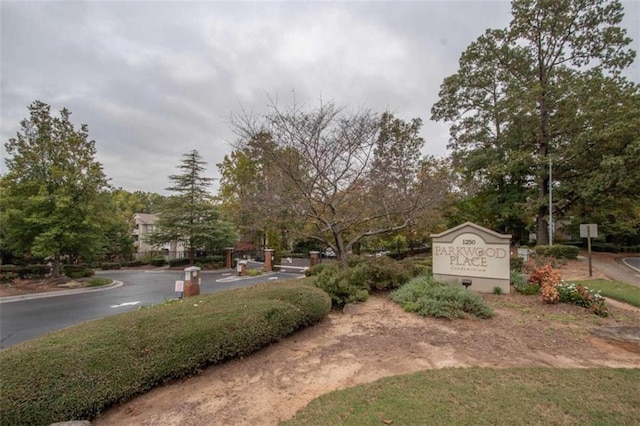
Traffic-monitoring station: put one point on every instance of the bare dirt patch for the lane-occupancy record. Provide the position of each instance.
(374, 340)
(19, 287)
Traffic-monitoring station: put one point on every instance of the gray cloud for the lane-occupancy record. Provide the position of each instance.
(154, 80)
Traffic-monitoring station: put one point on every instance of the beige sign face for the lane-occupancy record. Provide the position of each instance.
(468, 255)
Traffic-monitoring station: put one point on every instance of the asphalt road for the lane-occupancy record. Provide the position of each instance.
(25, 319)
(633, 262)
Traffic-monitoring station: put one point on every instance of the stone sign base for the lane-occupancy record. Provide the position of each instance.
(481, 285)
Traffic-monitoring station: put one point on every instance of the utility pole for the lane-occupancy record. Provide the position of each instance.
(550, 205)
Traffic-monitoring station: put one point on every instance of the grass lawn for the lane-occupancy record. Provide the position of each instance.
(476, 396)
(614, 289)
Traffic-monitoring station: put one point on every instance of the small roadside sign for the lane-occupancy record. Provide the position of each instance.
(179, 289)
(588, 230)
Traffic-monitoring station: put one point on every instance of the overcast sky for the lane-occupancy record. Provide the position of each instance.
(154, 80)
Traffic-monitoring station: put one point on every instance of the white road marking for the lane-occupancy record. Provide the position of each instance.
(228, 279)
(125, 304)
(273, 278)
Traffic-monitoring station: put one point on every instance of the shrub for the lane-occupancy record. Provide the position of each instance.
(538, 260)
(110, 265)
(99, 281)
(26, 271)
(497, 290)
(133, 263)
(318, 268)
(8, 277)
(543, 274)
(346, 285)
(416, 266)
(216, 258)
(184, 261)
(77, 372)
(353, 283)
(521, 285)
(516, 263)
(158, 261)
(384, 273)
(558, 251)
(441, 300)
(77, 271)
(357, 260)
(547, 279)
(253, 272)
(9, 268)
(8, 273)
(582, 296)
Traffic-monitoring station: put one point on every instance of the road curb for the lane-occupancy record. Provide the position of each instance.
(624, 261)
(8, 299)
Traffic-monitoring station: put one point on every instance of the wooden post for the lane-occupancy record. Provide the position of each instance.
(589, 249)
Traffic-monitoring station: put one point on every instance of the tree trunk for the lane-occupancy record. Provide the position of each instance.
(55, 267)
(542, 237)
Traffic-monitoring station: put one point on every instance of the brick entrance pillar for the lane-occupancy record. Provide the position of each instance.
(268, 259)
(228, 257)
(315, 257)
(191, 281)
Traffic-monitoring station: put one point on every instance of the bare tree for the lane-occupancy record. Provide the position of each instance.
(343, 175)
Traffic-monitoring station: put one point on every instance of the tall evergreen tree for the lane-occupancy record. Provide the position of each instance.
(53, 198)
(190, 216)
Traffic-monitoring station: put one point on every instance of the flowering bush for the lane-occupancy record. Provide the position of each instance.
(582, 296)
(548, 279)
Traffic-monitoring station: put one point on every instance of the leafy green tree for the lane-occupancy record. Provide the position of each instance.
(250, 193)
(52, 202)
(532, 93)
(190, 216)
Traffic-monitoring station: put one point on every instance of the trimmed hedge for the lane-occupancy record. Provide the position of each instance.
(77, 372)
(614, 248)
(77, 271)
(157, 262)
(558, 251)
(184, 261)
(26, 271)
(110, 265)
(133, 263)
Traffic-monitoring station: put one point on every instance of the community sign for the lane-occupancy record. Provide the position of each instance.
(472, 254)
